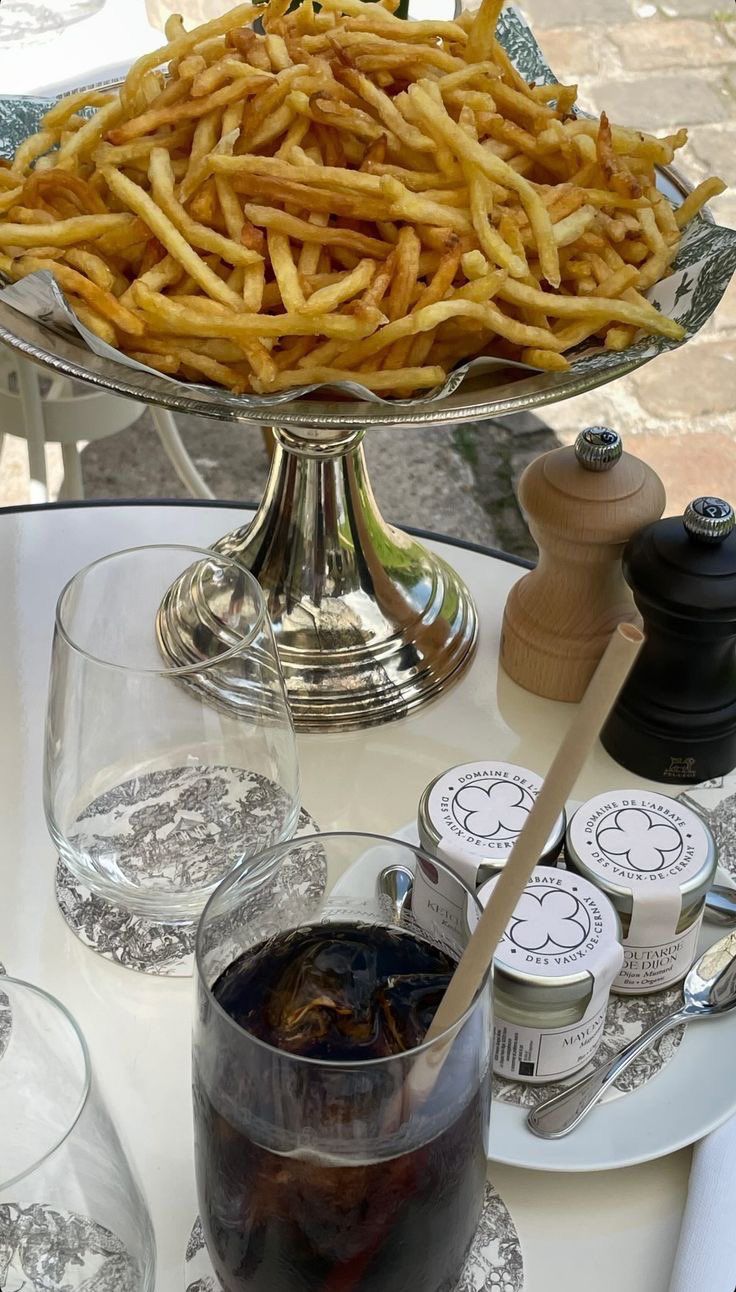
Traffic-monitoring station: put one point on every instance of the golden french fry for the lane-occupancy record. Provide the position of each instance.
(165, 274)
(398, 381)
(486, 314)
(492, 244)
(218, 74)
(619, 177)
(203, 142)
(696, 200)
(665, 217)
(619, 338)
(85, 140)
(482, 31)
(326, 299)
(419, 347)
(474, 264)
(101, 327)
(61, 233)
(571, 227)
(162, 362)
(139, 150)
(254, 279)
(406, 269)
(222, 374)
(102, 302)
(231, 208)
(175, 243)
(68, 104)
(48, 185)
(186, 321)
(410, 206)
(271, 218)
(250, 82)
(287, 277)
(546, 359)
(617, 311)
(91, 265)
(183, 44)
(32, 148)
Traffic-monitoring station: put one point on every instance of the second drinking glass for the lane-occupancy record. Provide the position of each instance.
(72, 1216)
(159, 780)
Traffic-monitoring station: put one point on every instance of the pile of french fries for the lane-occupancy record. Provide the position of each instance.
(288, 197)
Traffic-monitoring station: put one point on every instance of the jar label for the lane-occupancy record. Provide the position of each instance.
(652, 846)
(478, 811)
(528, 1054)
(640, 840)
(652, 968)
(562, 926)
(439, 902)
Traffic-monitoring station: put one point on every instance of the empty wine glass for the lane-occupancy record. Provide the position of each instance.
(71, 1213)
(160, 779)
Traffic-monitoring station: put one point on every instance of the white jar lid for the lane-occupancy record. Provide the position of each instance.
(471, 815)
(563, 934)
(635, 842)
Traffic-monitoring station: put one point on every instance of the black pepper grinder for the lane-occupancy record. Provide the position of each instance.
(675, 719)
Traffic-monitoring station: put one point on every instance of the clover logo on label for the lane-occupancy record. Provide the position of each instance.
(641, 838)
(549, 919)
(492, 809)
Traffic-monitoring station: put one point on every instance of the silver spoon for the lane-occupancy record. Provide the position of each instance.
(708, 991)
(396, 882)
(720, 905)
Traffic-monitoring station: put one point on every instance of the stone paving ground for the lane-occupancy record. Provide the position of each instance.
(661, 65)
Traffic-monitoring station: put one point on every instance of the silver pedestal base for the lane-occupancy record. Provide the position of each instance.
(368, 624)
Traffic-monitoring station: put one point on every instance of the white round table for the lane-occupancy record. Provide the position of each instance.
(610, 1230)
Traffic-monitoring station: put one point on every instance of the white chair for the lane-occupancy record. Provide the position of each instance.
(67, 415)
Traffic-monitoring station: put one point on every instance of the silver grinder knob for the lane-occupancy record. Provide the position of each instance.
(709, 520)
(598, 448)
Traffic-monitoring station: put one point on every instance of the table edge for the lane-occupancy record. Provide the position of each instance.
(81, 504)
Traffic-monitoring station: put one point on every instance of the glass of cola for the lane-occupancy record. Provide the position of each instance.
(336, 1149)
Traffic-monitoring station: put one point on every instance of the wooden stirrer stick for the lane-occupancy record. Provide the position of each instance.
(582, 733)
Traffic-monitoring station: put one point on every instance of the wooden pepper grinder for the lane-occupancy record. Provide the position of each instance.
(675, 719)
(582, 505)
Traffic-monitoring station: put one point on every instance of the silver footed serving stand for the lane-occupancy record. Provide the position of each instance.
(369, 624)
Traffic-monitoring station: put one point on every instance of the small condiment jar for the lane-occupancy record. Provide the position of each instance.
(582, 503)
(552, 976)
(470, 817)
(655, 859)
(675, 719)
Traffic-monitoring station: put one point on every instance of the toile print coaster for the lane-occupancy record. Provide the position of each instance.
(43, 1249)
(173, 815)
(715, 802)
(495, 1262)
(626, 1018)
(6, 1022)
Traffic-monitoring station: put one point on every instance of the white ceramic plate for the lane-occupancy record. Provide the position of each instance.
(689, 1097)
